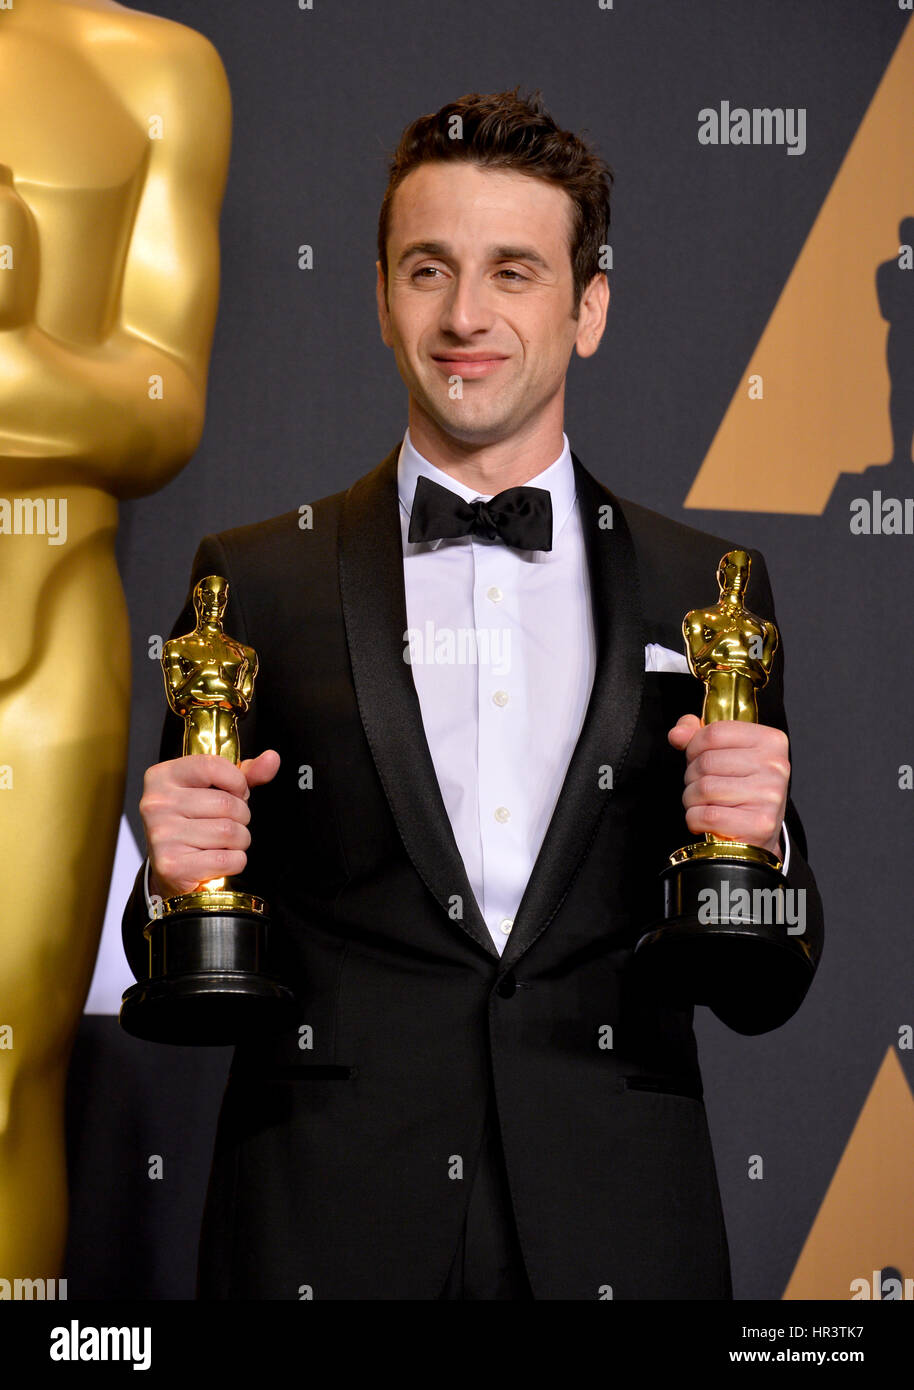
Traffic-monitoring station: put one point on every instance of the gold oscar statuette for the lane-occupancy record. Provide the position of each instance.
(209, 977)
(726, 937)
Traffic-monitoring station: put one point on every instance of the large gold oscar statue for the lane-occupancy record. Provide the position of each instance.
(114, 139)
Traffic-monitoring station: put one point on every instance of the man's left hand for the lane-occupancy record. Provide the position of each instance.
(736, 779)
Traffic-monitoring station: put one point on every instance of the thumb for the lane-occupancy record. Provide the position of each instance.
(261, 769)
(684, 730)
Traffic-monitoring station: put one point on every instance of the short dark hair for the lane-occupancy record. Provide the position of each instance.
(503, 130)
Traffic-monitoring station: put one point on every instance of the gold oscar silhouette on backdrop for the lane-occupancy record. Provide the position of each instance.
(724, 939)
(209, 979)
(114, 139)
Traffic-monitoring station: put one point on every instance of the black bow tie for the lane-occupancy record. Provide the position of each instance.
(519, 516)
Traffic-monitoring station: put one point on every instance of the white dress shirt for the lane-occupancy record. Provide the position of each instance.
(502, 649)
(501, 646)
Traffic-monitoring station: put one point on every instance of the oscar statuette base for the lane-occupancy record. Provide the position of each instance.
(728, 939)
(209, 981)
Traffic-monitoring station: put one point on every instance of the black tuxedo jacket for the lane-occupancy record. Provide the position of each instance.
(343, 1166)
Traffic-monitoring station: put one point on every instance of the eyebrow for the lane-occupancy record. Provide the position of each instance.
(442, 250)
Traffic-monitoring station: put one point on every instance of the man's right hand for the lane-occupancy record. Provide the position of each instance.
(195, 814)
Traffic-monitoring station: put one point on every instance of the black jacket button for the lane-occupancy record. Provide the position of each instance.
(506, 986)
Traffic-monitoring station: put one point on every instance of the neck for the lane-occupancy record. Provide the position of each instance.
(492, 466)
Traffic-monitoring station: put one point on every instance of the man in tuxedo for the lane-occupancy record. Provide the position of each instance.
(473, 742)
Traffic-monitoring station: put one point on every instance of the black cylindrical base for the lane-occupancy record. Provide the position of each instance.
(209, 984)
(731, 940)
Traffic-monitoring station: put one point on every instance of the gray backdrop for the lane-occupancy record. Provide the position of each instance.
(304, 398)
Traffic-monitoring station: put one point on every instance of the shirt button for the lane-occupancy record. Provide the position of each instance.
(500, 697)
(506, 924)
(502, 814)
(495, 594)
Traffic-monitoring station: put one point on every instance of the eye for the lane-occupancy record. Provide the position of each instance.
(422, 269)
(517, 275)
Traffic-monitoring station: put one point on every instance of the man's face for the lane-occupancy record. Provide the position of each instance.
(479, 267)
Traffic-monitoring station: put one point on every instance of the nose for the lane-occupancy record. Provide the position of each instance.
(466, 309)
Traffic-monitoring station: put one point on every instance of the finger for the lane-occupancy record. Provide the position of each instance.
(211, 804)
(216, 833)
(733, 791)
(684, 730)
(261, 769)
(168, 809)
(722, 762)
(741, 733)
(207, 770)
(184, 871)
(753, 827)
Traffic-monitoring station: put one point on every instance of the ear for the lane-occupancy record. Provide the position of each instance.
(383, 311)
(592, 315)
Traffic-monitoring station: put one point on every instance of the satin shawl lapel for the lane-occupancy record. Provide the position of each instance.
(374, 610)
(611, 716)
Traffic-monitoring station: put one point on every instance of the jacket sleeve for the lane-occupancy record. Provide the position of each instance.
(799, 875)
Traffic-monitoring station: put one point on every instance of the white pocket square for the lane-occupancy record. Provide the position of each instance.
(657, 658)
